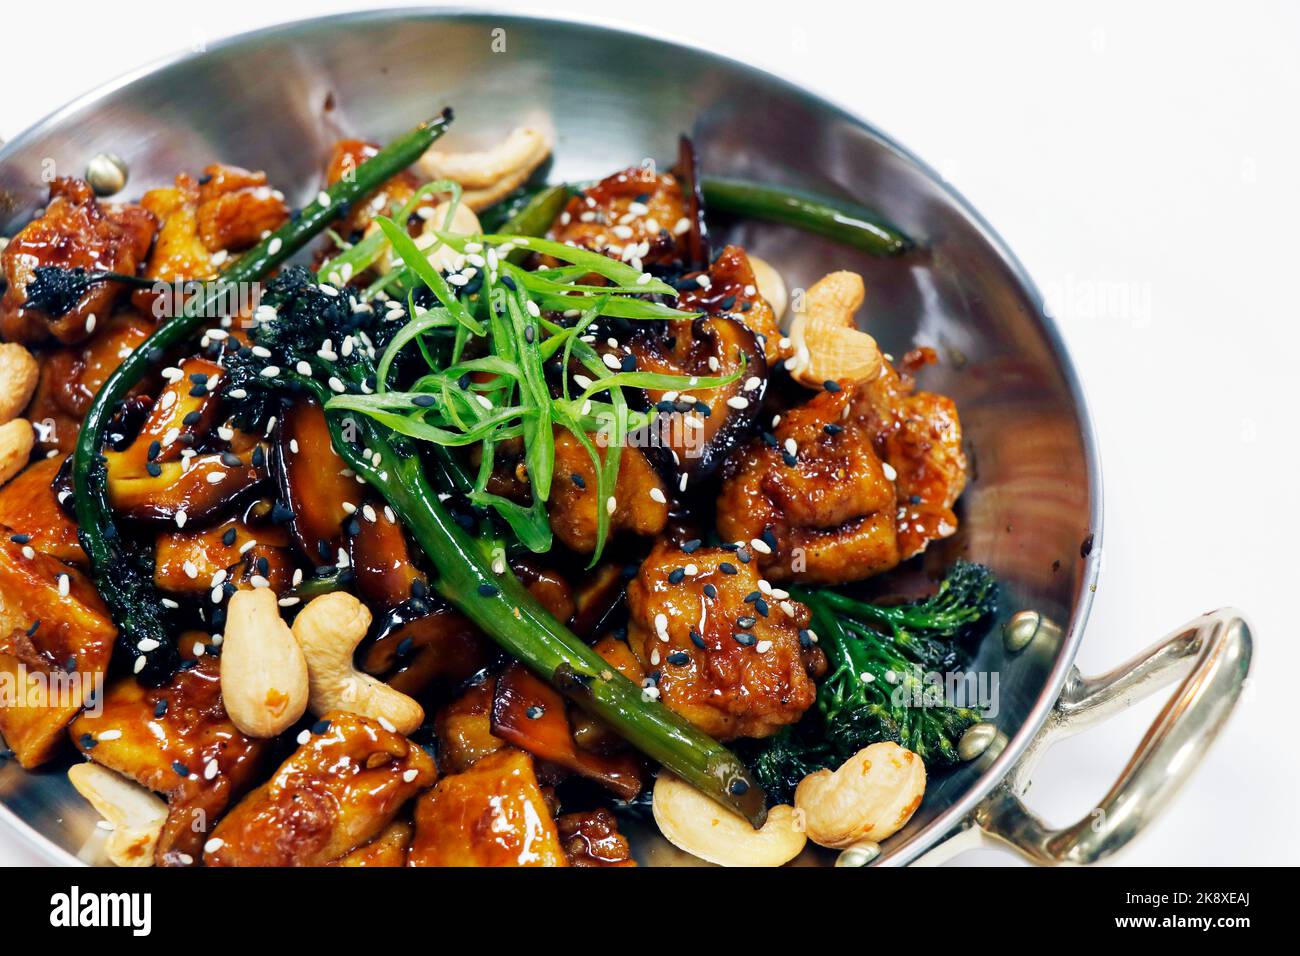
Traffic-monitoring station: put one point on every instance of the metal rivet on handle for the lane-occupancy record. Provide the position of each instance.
(976, 740)
(1020, 630)
(860, 854)
(106, 173)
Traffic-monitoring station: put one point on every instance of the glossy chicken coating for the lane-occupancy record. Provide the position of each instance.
(726, 647)
(635, 214)
(729, 288)
(348, 154)
(227, 210)
(812, 501)
(56, 638)
(386, 850)
(72, 374)
(591, 838)
(464, 728)
(640, 497)
(29, 508)
(74, 232)
(176, 740)
(189, 561)
(919, 435)
(336, 792)
(493, 814)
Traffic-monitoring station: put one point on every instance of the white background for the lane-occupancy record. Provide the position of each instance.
(1148, 149)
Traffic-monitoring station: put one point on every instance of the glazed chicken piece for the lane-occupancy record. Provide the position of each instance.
(919, 435)
(726, 646)
(639, 494)
(591, 838)
(56, 637)
(227, 210)
(71, 375)
(335, 793)
(634, 214)
(74, 232)
(493, 814)
(464, 728)
(729, 288)
(30, 510)
(347, 156)
(812, 502)
(386, 850)
(175, 740)
(187, 562)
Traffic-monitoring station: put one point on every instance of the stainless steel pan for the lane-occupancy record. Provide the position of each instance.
(276, 99)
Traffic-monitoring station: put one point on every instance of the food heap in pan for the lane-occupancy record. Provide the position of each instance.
(502, 514)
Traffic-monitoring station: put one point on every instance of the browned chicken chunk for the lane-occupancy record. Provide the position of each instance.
(29, 508)
(640, 500)
(726, 645)
(336, 792)
(176, 740)
(386, 850)
(493, 814)
(56, 638)
(591, 838)
(464, 728)
(813, 502)
(633, 214)
(75, 232)
(729, 288)
(919, 435)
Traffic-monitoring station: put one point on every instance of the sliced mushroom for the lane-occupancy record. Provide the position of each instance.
(316, 483)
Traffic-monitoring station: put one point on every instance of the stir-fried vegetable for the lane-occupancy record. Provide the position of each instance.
(836, 219)
(471, 569)
(123, 574)
(878, 656)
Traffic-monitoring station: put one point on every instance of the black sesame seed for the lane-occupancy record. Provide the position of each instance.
(88, 742)
(769, 538)
(704, 409)
(679, 658)
(153, 468)
(160, 708)
(530, 334)
(70, 664)
(710, 591)
(690, 547)
(32, 630)
(628, 363)
(198, 391)
(805, 637)
(746, 622)
(488, 590)
(20, 538)
(259, 457)
(789, 459)
(738, 787)
(728, 303)
(404, 646)
(508, 282)
(191, 418)
(753, 596)
(578, 480)
(915, 499)
(761, 607)
(697, 640)
(320, 727)
(263, 566)
(199, 378)
(744, 638)
(831, 385)
(744, 555)
(726, 567)
(665, 407)
(535, 711)
(229, 537)
(676, 575)
(833, 429)
(419, 589)
(155, 449)
(231, 460)
(424, 401)
(281, 513)
(180, 768)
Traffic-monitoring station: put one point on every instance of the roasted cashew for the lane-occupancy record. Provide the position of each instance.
(828, 345)
(18, 375)
(263, 670)
(870, 797)
(136, 814)
(16, 441)
(770, 285)
(692, 822)
(488, 176)
(442, 257)
(329, 630)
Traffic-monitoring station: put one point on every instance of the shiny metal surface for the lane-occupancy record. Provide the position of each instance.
(276, 99)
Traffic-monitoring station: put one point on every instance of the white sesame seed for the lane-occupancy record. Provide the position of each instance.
(657, 494)
(274, 245)
(890, 472)
(213, 845)
(759, 545)
(304, 737)
(611, 504)
(65, 585)
(110, 735)
(763, 647)
(258, 581)
(323, 199)
(387, 725)
(216, 477)
(147, 644)
(139, 665)
(611, 361)
(738, 402)
(410, 775)
(29, 552)
(271, 371)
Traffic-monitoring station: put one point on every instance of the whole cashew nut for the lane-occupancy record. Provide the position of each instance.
(442, 256)
(263, 670)
(692, 822)
(18, 375)
(770, 285)
(16, 441)
(329, 630)
(137, 815)
(870, 797)
(828, 345)
(488, 176)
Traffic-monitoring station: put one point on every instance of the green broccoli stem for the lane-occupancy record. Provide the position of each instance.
(836, 219)
(130, 596)
(496, 601)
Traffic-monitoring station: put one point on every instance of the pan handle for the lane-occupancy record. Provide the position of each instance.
(1214, 652)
